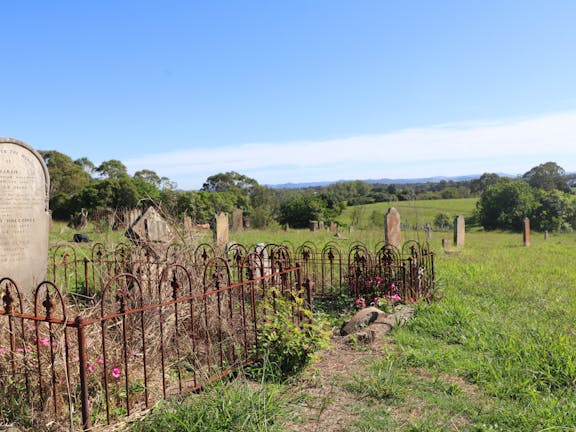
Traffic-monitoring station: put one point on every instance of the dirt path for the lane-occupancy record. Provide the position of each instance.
(324, 403)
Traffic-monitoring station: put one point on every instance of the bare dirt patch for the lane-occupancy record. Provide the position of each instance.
(324, 404)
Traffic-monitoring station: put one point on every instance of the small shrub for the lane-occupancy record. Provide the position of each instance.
(14, 406)
(288, 337)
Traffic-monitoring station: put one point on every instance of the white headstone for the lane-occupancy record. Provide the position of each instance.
(24, 214)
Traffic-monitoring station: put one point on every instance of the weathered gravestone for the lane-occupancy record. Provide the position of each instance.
(526, 231)
(428, 231)
(222, 229)
(152, 231)
(333, 228)
(392, 231)
(459, 230)
(237, 220)
(24, 214)
(313, 226)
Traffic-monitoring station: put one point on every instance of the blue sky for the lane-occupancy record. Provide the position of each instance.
(294, 91)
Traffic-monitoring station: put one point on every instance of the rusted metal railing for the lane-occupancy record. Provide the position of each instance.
(92, 365)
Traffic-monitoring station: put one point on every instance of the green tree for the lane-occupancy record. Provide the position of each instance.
(66, 177)
(86, 165)
(556, 211)
(547, 176)
(112, 169)
(149, 177)
(229, 182)
(443, 221)
(300, 209)
(504, 205)
(485, 181)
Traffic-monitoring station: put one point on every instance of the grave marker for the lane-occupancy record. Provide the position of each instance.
(24, 214)
(222, 229)
(152, 231)
(526, 231)
(428, 231)
(392, 231)
(237, 220)
(459, 231)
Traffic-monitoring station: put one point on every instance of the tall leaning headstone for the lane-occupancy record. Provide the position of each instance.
(24, 214)
(237, 220)
(526, 231)
(459, 230)
(392, 232)
(222, 228)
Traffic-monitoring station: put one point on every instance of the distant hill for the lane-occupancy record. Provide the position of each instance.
(382, 181)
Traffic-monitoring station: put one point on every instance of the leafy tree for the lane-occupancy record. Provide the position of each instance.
(450, 193)
(485, 181)
(299, 210)
(112, 169)
(229, 182)
(239, 187)
(556, 211)
(504, 205)
(124, 193)
(86, 165)
(443, 221)
(548, 176)
(148, 176)
(148, 193)
(66, 177)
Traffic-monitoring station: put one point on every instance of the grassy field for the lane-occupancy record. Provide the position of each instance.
(495, 352)
(412, 212)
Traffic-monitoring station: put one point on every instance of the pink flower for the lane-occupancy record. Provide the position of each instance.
(20, 350)
(392, 287)
(100, 361)
(3, 351)
(360, 302)
(412, 300)
(116, 372)
(90, 367)
(44, 341)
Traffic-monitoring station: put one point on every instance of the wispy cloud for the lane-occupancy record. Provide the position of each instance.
(512, 146)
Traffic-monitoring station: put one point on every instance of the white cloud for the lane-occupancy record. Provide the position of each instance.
(511, 146)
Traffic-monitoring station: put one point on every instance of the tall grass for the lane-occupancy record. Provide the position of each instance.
(505, 324)
(234, 406)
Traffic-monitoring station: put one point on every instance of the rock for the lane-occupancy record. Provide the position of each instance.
(371, 322)
(362, 319)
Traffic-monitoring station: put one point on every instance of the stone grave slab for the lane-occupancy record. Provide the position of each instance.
(24, 214)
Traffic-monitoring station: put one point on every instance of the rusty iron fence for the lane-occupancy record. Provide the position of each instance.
(112, 331)
(333, 268)
(92, 364)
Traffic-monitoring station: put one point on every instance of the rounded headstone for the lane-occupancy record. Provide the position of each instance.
(24, 214)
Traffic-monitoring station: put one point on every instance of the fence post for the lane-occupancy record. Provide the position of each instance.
(86, 424)
(86, 284)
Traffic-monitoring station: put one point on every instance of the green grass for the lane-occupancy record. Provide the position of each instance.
(504, 327)
(225, 406)
(496, 352)
(411, 212)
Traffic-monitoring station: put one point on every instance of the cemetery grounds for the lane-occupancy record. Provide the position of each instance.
(496, 351)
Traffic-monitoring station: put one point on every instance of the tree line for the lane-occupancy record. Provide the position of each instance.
(543, 194)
